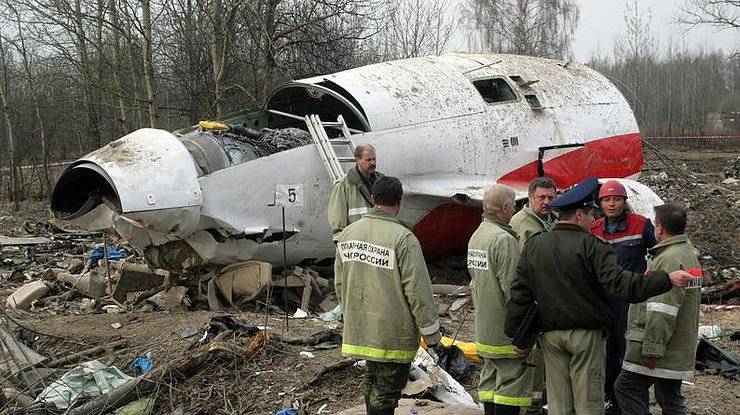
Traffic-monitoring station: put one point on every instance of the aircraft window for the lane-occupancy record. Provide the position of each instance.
(533, 101)
(495, 90)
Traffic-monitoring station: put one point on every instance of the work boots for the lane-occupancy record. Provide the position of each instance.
(488, 408)
(506, 410)
(373, 411)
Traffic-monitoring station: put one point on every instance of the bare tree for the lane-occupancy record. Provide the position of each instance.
(221, 16)
(415, 28)
(20, 46)
(306, 37)
(151, 90)
(723, 14)
(116, 31)
(14, 185)
(526, 27)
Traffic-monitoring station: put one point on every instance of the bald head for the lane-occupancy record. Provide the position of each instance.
(499, 201)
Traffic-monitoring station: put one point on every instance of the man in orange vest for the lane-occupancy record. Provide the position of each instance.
(631, 235)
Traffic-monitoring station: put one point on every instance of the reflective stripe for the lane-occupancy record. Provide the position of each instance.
(663, 308)
(624, 238)
(503, 350)
(512, 400)
(358, 211)
(487, 396)
(374, 352)
(687, 375)
(430, 329)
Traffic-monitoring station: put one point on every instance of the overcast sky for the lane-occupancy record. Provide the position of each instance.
(602, 21)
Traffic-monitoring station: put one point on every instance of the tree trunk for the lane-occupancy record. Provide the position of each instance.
(148, 66)
(270, 64)
(88, 93)
(46, 182)
(132, 72)
(217, 48)
(14, 188)
(122, 118)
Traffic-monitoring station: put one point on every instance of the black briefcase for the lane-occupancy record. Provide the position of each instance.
(530, 328)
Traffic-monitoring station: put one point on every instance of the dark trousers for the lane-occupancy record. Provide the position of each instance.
(615, 345)
(633, 394)
(383, 383)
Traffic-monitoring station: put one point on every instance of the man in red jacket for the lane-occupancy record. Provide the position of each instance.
(631, 235)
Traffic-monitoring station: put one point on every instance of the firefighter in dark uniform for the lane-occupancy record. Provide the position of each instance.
(571, 274)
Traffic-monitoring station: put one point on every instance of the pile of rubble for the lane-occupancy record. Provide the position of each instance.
(732, 171)
(713, 201)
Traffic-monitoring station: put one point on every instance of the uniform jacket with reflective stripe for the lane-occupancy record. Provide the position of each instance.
(571, 274)
(492, 258)
(384, 290)
(526, 223)
(349, 200)
(634, 235)
(665, 326)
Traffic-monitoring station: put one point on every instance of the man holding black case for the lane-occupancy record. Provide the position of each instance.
(571, 274)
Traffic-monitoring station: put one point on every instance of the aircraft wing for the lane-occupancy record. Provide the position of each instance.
(458, 187)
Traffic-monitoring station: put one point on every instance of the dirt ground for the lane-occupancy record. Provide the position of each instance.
(240, 382)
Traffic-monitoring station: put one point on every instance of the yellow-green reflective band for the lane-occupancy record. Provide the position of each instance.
(486, 396)
(374, 352)
(504, 350)
(512, 400)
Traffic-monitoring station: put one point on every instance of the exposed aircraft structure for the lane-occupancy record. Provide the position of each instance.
(447, 126)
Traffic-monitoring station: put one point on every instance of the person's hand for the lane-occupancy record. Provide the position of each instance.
(650, 362)
(680, 278)
(521, 352)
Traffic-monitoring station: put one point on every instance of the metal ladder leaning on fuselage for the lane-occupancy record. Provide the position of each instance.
(327, 146)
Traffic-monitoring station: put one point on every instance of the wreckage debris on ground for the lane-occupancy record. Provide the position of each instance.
(127, 316)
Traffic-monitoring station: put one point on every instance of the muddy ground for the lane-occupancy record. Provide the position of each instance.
(238, 381)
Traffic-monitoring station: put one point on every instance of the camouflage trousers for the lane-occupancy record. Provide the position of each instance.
(383, 383)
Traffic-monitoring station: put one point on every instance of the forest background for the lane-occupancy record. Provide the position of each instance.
(76, 75)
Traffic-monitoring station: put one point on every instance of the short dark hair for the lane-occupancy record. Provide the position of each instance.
(542, 181)
(387, 191)
(672, 217)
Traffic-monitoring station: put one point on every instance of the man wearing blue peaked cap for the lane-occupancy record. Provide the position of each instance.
(579, 195)
(571, 274)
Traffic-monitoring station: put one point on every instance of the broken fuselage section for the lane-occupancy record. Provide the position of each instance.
(447, 126)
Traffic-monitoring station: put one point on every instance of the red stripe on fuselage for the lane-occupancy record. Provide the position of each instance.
(616, 156)
(447, 228)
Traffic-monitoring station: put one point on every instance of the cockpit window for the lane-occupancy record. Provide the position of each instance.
(495, 90)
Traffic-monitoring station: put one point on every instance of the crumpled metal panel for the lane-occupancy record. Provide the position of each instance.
(150, 170)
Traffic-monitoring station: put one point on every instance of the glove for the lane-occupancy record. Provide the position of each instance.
(437, 351)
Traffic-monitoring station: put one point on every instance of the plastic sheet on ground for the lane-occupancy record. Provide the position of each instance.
(468, 348)
(143, 406)
(84, 381)
(334, 314)
(454, 362)
(143, 364)
(712, 359)
(113, 254)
